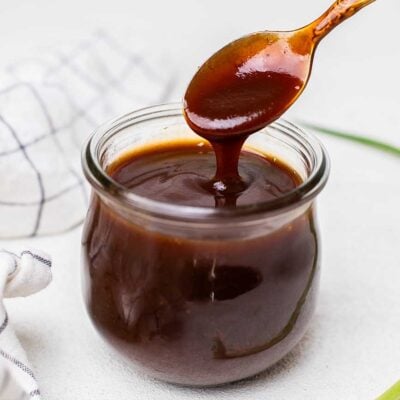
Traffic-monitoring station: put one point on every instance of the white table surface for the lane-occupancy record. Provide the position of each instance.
(352, 349)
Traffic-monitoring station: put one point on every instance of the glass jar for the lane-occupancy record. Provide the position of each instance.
(200, 296)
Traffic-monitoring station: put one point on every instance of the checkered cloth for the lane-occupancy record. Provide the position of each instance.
(48, 106)
(20, 276)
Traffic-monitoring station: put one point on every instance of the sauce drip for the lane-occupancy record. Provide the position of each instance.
(250, 83)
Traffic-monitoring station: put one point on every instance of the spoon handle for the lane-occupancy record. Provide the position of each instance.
(336, 14)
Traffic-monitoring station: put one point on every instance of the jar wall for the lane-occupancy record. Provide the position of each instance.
(200, 296)
(199, 312)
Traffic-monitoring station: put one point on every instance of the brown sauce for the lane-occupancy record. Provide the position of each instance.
(206, 311)
(193, 311)
(244, 87)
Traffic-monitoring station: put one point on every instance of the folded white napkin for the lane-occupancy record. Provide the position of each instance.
(20, 276)
(49, 104)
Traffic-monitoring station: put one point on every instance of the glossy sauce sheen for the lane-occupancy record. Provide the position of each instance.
(246, 85)
(179, 173)
(191, 311)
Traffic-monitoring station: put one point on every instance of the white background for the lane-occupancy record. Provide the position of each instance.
(352, 350)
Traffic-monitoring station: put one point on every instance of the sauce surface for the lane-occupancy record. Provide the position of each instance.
(180, 173)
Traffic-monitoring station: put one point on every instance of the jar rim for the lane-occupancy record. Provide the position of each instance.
(106, 186)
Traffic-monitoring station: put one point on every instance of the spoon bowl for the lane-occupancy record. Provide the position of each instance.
(252, 81)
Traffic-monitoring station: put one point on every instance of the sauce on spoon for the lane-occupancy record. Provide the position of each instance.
(249, 84)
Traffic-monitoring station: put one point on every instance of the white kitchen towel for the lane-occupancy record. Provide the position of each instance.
(20, 276)
(49, 104)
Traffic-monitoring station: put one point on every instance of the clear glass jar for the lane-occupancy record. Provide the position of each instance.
(200, 296)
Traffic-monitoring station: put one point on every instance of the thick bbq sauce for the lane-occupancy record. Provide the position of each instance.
(199, 311)
(204, 310)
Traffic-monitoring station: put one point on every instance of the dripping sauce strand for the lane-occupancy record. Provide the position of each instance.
(249, 84)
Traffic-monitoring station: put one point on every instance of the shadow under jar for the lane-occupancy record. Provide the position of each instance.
(195, 295)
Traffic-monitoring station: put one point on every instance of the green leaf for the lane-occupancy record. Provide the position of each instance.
(392, 394)
(365, 140)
